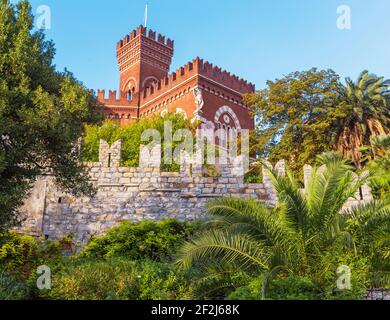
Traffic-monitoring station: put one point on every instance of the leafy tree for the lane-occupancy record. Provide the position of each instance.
(366, 105)
(131, 138)
(42, 113)
(304, 236)
(294, 115)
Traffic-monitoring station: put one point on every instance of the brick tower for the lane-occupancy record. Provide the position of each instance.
(143, 59)
(198, 90)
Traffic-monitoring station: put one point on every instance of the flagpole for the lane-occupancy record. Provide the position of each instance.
(146, 16)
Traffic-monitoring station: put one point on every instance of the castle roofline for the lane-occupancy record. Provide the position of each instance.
(224, 77)
(196, 67)
(200, 67)
(149, 33)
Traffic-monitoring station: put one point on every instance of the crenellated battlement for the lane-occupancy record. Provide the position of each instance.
(183, 73)
(150, 34)
(199, 67)
(222, 76)
(113, 97)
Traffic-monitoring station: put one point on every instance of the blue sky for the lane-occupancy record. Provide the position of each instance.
(259, 40)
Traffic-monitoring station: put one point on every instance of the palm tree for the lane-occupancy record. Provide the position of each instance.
(366, 114)
(294, 236)
(381, 145)
(380, 167)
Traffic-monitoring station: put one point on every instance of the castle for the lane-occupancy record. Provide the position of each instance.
(198, 90)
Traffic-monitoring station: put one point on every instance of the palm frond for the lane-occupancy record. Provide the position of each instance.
(289, 192)
(226, 247)
(250, 217)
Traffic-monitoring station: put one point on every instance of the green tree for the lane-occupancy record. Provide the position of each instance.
(308, 234)
(131, 138)
(294, 115)
(42, 113)
(366, 105)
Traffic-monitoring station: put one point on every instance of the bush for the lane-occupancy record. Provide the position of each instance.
(252, 291)
(10, 289)
(242, 293)
(146, 239)
(117, 279)
(359, 271)
(293, 288)
(21, 254)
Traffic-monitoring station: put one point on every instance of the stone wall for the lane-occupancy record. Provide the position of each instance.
(132, 194)
(135, 194)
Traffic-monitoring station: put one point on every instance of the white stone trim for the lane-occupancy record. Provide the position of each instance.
(148, 78)
(228, 110)
(125, 86)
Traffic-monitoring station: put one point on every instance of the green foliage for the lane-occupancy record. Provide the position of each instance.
(154, 240)
(366, 108)
(115, 266)
(293, 288)
(380, 167)
(42, 113)
(216, 280)
(131, 138)
(359, 271)
(21, 254)
(306, 228)
(370, 228)
(242, 293)
(255, 174)
(310, 112)
(286, 288)
(117, 279)
(295, 114)
(251, 291)
(10, 289)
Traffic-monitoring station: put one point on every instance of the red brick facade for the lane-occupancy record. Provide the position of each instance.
(199, 90)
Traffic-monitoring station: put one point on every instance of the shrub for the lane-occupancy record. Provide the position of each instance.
(21, 254)
(252, 291)
(242, 293)
(359, 276)
(293, 288)
(162, 281)
(146, 239)
(10, 289)
(117, 279)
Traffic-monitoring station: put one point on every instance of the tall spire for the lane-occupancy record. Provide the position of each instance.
(146, 16)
